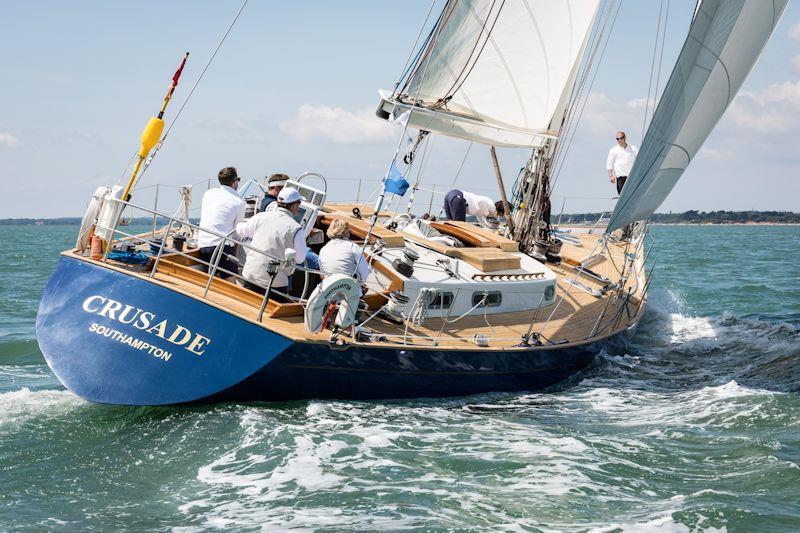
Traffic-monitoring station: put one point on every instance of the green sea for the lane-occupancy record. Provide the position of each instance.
(692, 426)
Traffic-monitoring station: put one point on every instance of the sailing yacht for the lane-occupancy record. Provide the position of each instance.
(451, 308)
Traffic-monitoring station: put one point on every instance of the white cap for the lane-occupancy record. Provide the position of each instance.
(288, 196)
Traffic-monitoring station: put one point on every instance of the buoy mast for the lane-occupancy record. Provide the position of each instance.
(152, 132)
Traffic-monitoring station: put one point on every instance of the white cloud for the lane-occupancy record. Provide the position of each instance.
(335, 124)
(639, 103)
(794, 32)
(717, 154)
(796, 63)
(772, 109)
(603, 116)
(8, 140)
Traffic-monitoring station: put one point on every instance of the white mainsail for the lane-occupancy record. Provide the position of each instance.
(725, 40)
(495, 71)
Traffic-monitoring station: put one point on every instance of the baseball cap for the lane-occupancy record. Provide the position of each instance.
(288, 195)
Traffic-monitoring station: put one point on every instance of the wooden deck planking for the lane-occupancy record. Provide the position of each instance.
(573, 319)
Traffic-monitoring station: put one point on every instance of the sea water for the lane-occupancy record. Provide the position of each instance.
(694, 425)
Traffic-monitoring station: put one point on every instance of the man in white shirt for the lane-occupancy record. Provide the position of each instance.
(458, 204)
(221, 210)
(620, 161)
(341, 255)
(276, 231)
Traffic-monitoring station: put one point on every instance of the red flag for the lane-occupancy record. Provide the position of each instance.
(178, 72)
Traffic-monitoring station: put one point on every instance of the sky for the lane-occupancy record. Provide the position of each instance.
(294, 88)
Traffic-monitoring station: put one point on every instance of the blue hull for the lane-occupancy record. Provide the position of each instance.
(115, 338)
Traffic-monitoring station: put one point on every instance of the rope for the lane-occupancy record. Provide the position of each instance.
(661, 58)
(458, 173)
(459, 81)
(379, 203)
(423, 163)
(577, 90)
(408, 63)
(557, 173)
(652, 69)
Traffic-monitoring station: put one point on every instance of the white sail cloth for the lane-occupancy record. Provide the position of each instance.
(725, 40)
(496, 71)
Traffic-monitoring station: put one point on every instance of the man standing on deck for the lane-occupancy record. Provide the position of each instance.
(275, 183)
(620, 161)
(619, 164)
(221, 210)
(458, 204)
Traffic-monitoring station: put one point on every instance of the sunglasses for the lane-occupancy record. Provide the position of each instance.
(619, 138)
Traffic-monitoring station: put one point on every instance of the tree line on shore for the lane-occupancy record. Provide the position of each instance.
(697, 217)
(687, 217)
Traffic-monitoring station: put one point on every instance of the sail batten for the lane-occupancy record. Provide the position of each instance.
(725, 39)
(504, 65)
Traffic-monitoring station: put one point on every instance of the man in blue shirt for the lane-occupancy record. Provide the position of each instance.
(275, 184)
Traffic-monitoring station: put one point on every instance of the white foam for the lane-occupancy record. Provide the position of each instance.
(20, 406)
(688, 328)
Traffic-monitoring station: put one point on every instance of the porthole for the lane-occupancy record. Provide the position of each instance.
(493, 298)
(442, 300)
(549, 292)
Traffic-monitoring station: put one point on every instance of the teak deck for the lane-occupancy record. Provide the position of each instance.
(574, 320)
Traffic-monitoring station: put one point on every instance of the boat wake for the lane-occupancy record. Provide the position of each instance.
(21, 407)
(643, 431)
(676, 350)
(671, 430)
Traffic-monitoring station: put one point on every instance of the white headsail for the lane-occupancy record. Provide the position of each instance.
(495, 71)
(725, 40)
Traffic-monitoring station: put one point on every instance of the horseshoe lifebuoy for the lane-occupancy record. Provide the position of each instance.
(89, 218)
(338, 289)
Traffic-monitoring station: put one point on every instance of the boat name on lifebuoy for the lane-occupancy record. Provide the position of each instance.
(147, 321)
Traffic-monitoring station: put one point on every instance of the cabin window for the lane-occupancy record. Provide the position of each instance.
(549, 292)
(493, 298)
(442, 300)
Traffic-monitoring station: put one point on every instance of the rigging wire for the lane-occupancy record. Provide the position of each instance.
(191, 91)
(415, 187)
(652, 69)
(407, 65)
(459, 80)
(661, 57)
(569, 123)
(588, 91)
(441, 22)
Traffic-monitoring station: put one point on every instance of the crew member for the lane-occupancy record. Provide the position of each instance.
(277, 231)
(620, 161)
(459, 204)
(341, 255)
(275, 183)
(619, 164)
(221, 210)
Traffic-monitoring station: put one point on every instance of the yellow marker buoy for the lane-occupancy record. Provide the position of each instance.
(152, 132)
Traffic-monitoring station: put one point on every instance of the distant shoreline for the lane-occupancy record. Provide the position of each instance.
(688, 218)
(725, 223)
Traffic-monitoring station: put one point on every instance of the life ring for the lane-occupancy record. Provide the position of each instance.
(90, 217)
(337, 289)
